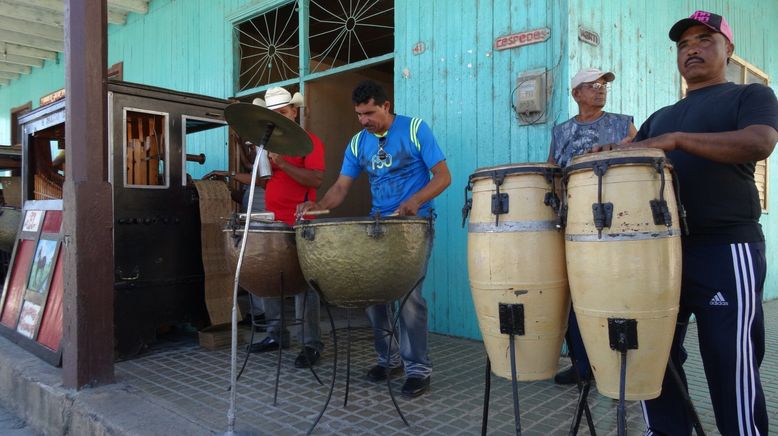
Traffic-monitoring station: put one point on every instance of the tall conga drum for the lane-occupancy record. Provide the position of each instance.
(623, 247)
(515, 256)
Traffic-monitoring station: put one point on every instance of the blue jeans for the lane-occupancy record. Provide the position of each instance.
(412, 335)
(309, 334)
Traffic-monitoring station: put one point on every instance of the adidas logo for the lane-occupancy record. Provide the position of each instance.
(718, 300)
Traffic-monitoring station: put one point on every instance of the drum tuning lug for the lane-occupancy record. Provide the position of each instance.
(375, 230)
(661, 213)
(466, 210)
(603, 215)
(309, 233)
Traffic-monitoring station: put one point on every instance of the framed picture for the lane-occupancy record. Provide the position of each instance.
(42, 266)
(31, 299)
(28, 320)
(32, 220)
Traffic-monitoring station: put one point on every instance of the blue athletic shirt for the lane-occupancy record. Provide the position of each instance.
(411, 150)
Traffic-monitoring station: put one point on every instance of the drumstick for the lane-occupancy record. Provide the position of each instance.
(316, 212)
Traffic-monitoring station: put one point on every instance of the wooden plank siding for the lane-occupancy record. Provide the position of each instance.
(460, 85)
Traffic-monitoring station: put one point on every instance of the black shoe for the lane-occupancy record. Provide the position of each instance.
(415, 386)
(267, 344)
(567, 377)
(378, 373)
(307, 358)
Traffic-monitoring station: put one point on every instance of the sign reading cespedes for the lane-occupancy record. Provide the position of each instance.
(522, 38)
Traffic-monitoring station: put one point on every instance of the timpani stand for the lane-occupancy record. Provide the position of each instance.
(273, 132)
(359, 262)
(282, 324)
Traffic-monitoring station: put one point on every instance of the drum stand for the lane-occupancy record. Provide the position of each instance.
(512, 324)
(583, 393)
(389, 334)
(281, 326)
(623, 337)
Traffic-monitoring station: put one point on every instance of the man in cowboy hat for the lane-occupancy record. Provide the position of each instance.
(714, 137)
(575, 136)
(294, 181)
(398, 153)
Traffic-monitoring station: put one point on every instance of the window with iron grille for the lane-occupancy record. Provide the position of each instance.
(337, 33)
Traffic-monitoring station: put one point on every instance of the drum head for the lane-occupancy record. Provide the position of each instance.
(237, 224)
(360, 220)
(629, 156)
(529, 167)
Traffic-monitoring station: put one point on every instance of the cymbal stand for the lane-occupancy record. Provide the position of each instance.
(511, 323)
(234, 349)
(390, 334)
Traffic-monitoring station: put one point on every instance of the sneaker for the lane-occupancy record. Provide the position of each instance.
(307, 358)
(267, 344)
(379, 373)
(415, 386)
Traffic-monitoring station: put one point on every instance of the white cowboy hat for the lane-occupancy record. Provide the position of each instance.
(278, 97)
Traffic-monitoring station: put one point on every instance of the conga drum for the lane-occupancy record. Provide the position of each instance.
(623, 247)
(358, 262)
(270, 258)
(515, 255)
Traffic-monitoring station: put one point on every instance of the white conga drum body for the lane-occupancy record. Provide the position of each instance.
(629, 269)
(270, 259)
(362, 261)
(516, 256)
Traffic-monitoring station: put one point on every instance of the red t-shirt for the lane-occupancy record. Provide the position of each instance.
(283, 193)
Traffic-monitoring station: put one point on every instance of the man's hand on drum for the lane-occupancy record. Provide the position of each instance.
(408, 208)
(216, 175)
(666, 142)
(605, 147)
(303, 208)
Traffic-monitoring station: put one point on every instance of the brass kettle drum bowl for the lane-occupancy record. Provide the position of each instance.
(270, 255)
(358, 262)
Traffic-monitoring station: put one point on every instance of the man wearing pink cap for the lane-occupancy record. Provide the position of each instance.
(714, 137)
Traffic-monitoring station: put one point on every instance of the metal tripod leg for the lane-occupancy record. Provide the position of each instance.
(487, 393)
(583, 394)
(348, 356)
(315, 287)
(515, 385)
(686, 398)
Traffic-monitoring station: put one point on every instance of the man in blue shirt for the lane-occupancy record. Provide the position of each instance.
(398, 153)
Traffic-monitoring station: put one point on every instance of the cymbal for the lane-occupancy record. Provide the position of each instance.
(250, 122)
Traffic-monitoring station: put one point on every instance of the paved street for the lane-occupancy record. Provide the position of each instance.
(11, 425)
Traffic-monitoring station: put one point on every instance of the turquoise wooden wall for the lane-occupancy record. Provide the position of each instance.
(636, 47)
(459, 84)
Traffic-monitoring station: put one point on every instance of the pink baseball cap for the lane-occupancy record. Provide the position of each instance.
(708, 19)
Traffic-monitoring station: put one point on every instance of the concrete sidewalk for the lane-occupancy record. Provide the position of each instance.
(179, 388)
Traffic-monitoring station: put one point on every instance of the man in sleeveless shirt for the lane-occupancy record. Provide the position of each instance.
(591, 127)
